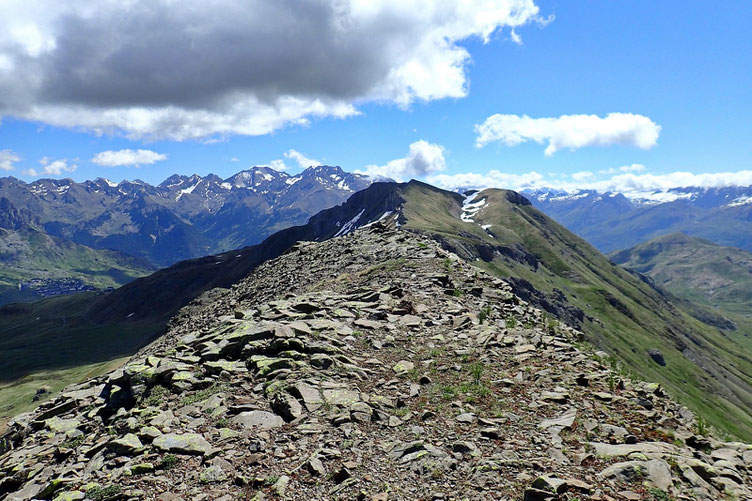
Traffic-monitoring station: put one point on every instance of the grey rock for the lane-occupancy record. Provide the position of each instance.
(259, 419)
(126, 446)
(212, 474)
(189, 443)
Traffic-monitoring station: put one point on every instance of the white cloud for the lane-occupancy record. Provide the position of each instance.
(8, 159)
(234, 159)
(645, 183)
(569, 131)
(628, 183)
(303, 161)
(423, 159)
(491, 179)
(581, 176)
(135, 158)
(623, 168)
(162, 69)
(278, 165)
(52, 168)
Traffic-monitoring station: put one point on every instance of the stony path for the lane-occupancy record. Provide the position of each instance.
(374, 366)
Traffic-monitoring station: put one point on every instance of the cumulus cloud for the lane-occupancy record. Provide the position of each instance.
(582, 175)
(626, 181)
(569, 131)
(51, 168)
(135, 158)
(423, 159)
(299, 158)
(278, 165)
(303, 161)
(623, 168)
(8, 159)
(197, 70)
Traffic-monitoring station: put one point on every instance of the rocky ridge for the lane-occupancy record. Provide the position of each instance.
(370, 366)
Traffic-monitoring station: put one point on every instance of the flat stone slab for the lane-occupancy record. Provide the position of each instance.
(342, 397)
(311, 396)
(259, 419)
(190, 443)
(367, 324)
(126, 446)
(404, 366)
(650, 449)
(566, 420)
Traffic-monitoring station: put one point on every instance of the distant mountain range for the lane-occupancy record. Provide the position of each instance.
(613, 221)
(59, 236)
(183, 217)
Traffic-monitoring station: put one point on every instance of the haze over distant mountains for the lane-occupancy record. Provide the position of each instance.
(613, 221)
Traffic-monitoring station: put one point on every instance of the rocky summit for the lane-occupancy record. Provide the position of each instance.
(372, 366)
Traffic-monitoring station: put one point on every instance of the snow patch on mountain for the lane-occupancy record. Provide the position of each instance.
(471, 208)
(350, 225)
(743, 200)
(187, 191)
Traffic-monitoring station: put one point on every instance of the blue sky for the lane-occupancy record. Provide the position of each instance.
(683, 66)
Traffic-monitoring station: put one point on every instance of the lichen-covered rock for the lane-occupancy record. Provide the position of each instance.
(189, 443)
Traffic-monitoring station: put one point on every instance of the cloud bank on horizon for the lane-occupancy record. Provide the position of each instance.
(160, 70)
(627, 180)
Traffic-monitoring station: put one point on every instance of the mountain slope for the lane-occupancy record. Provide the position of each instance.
(185, 216)
(58, 334)
(698, 270)
(35, 264)
(707, 369)
(350, 369)
(611, 221)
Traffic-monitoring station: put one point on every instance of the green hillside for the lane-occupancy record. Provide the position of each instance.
(695, 269)
(708, 369)
(27, 254)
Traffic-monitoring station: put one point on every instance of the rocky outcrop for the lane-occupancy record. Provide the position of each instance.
(374, 366)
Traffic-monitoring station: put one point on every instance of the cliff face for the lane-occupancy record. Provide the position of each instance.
(371, 366)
